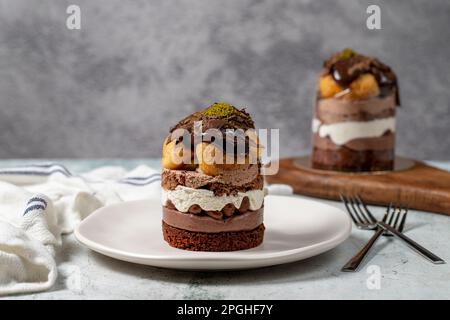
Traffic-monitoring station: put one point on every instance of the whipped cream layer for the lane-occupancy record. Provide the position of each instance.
(385, 142)
(342, 132)
(183, 198)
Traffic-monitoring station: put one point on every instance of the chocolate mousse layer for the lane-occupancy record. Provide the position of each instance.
(229, 183)
(246, 221)
(334, 110)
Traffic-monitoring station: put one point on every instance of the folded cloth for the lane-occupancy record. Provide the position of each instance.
(39, 203)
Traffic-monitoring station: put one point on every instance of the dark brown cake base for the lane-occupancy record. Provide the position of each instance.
(345, 159)
(222, 241)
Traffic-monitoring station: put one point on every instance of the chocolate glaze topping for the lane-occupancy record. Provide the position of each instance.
(220, 116)
(233, 119)
(347, 65)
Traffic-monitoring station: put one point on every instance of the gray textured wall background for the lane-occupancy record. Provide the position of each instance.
(113, 88)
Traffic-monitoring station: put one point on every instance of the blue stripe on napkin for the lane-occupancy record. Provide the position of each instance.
(142, 178)
(37, 170)
(47, 169)
(37, 199)
(34, 207)
(141, 181)
(52, 164)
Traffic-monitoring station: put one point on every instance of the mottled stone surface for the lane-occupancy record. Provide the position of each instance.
(114, 87)
(84, 274)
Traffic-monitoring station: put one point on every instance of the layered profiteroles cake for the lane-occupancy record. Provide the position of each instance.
(354, 122)
(213, 200)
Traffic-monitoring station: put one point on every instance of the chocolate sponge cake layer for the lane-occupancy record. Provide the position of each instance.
(223, 241)
(345, 159)
(249, 179)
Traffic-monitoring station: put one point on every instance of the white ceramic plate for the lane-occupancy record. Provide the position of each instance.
(295, 229)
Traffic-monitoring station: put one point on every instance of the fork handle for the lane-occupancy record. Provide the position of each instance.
(353, 264)
(411, 243)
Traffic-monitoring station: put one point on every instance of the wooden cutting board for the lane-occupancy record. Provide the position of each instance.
(412, 183)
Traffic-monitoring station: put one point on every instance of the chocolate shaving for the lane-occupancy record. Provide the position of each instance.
(195, 209)
(228, 210)
(170, 205)
(215, 214)
(245, 205)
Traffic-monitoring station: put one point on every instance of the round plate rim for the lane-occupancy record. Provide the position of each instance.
(154, 260)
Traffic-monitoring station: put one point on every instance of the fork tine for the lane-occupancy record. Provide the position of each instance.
(348, 209)
(397, 217)
(386, 214)
(361, 218)
(361, 211)
(369, 214)
(402, 223)
(391, 217)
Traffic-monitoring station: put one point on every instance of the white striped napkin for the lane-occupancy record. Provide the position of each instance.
(39, 203)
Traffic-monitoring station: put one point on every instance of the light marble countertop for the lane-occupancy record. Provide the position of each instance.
(84, 274)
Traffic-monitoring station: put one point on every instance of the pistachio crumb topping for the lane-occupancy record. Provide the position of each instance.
(347, 53)
(220, 110)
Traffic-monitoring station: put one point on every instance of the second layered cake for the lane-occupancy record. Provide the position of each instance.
(213, 206)
(354, 123)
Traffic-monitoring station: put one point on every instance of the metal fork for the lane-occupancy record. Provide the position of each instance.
(363, 219)
(356, 202)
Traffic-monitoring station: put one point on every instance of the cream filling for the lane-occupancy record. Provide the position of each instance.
(342, 132)
(315, 125)
(183, 198)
